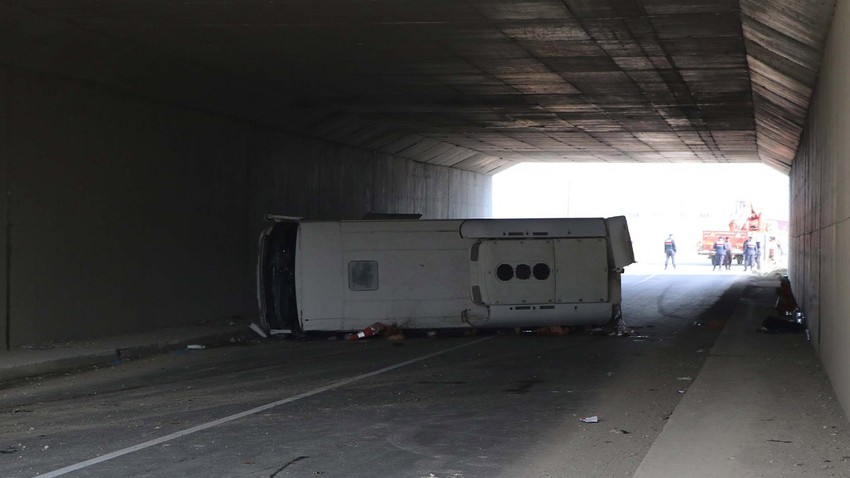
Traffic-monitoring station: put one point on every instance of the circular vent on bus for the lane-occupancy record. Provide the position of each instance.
(505, 272)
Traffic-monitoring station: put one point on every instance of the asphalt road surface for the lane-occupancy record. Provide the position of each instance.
(491, 405)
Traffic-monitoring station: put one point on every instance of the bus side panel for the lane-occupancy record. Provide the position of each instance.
(582, 270)
(536, 228)
(547, 315)
(411, 273)
(423, 275)
(417, 275)
(320, 278)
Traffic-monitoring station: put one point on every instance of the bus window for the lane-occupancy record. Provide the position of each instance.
(362, 275)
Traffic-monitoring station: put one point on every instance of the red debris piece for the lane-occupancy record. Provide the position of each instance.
(370, 331)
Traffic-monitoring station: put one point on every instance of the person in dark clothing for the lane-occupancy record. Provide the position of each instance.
(670, 251)
(727, 258)
(719, 254)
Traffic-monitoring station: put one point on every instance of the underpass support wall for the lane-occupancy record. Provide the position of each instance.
(5, 325)
(313, 179)
(126, 214)
(819, 265)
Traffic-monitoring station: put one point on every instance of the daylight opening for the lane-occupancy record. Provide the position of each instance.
(689, 201)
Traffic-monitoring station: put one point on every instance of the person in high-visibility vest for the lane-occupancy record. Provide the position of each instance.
(670, 251)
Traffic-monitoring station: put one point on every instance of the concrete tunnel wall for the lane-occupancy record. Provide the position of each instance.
(819, 265)
(123, 214)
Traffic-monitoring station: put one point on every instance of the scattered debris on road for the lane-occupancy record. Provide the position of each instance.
(591, 419)
(256, 328)
(553, 330)
(776, 325)
(710, 324)
(369, 331)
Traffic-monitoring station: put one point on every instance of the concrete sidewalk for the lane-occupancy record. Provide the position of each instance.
(30, 361)
(761, 406)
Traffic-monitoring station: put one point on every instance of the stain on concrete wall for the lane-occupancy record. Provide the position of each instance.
(130, 215)
(820, 210)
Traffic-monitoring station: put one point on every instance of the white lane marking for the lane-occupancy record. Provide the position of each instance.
(646, 279)
(237, 416)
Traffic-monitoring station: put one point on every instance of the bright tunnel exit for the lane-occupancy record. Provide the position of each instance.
(658, 200)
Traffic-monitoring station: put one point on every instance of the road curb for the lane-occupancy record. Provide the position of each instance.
(105, 356)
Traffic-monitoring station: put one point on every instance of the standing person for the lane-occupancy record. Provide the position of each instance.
(749, 253)
(669, 251)
(727, 258)
(758, 256)
(719, 254)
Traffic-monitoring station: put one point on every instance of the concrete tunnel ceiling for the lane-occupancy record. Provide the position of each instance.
(473, 84)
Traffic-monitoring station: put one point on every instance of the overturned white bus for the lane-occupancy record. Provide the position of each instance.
(432, 274)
